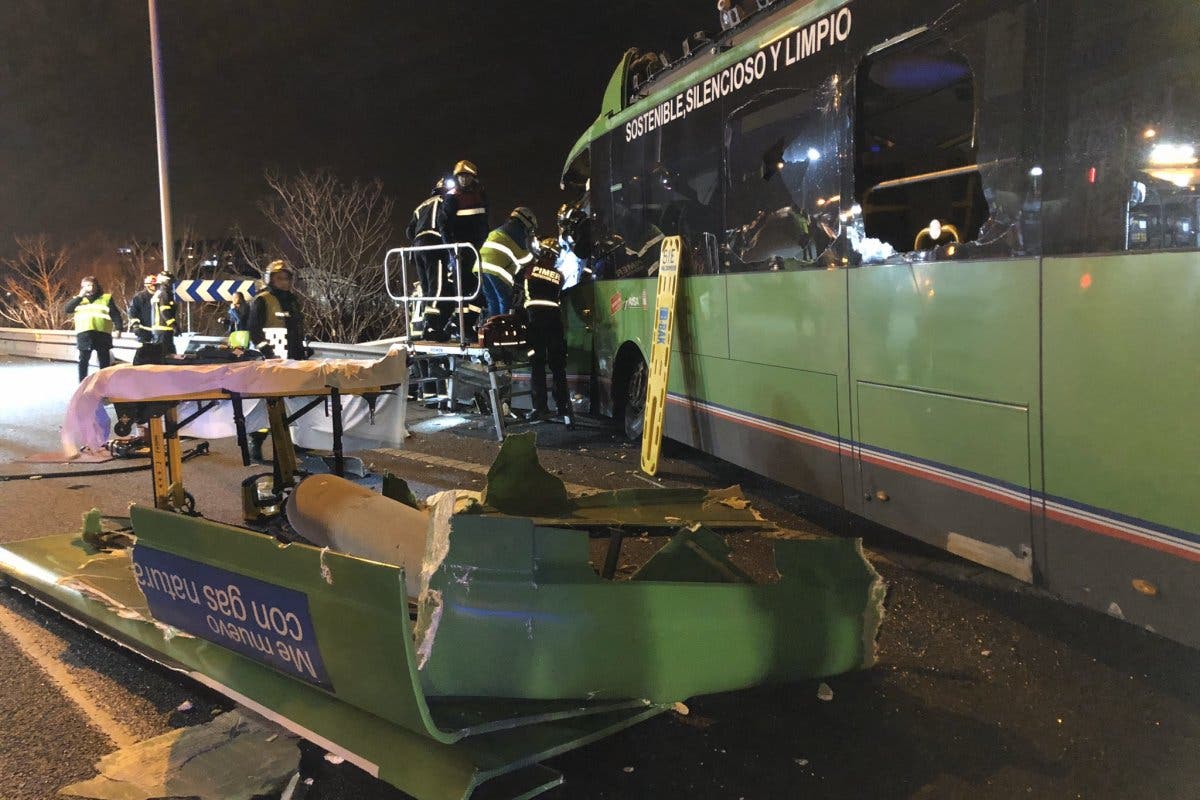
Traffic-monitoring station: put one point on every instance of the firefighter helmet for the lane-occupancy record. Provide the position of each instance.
(527, 217)
(465, 167)
(550, 251)
(278, 265)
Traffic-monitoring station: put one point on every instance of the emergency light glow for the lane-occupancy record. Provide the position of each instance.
(1165, 154)
(813, 154)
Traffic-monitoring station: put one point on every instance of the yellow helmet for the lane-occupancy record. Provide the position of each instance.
(278, 265)
(465, 167)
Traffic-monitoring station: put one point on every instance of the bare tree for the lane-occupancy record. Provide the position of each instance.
(36, 284)
(338, 232)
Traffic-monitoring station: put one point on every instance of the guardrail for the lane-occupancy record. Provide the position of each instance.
(60, 345)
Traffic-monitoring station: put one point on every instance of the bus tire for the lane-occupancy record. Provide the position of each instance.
(630, 401)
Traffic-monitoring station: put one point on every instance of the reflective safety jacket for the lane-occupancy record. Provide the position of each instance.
(541, 286)
(276, 320)
(162, 312)
(140, 317)
(504, 254)
(463, 215)
(93, 313)
(423, 229)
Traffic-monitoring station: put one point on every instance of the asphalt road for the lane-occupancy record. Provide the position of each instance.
(985, 689)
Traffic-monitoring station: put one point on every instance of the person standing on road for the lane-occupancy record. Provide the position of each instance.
(431, 264)
(162, 314)
(140, 316)
(96, 319)
(541, 290)
(504, 255)
(237, 322)
(276, 319)
(276, 329)
(463, 217)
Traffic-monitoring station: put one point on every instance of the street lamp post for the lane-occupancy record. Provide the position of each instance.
(160, 125)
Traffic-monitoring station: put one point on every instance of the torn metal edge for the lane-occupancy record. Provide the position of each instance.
(437, 547)
(875, 609)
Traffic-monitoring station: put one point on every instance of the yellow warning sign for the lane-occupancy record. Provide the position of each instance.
(660, 351)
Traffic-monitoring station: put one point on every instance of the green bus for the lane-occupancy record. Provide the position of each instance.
(942, 271)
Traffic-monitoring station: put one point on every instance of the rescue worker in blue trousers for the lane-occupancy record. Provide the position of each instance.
(503, 256)
(276, 321)
(140, 316)
(463, 217)
(540, 292)
(96, 320)
(162, 314)
(431, 264)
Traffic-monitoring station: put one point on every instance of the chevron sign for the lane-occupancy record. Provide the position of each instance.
(214, 291)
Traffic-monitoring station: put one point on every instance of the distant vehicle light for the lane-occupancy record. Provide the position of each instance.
(814, 154)
(1164, 154)
(1036, 172)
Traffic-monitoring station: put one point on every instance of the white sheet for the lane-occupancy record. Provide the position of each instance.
(87, 423)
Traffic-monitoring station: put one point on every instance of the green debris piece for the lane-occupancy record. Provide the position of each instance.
(101, 539)
(695, 555)
(92, 526)
(233, 757)
(517, 484)
(396, 488)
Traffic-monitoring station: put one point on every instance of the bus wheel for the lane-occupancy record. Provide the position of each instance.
(635, 401)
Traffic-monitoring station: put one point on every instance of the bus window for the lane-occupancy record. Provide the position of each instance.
(631, 223)
(1125, 174)
(916, 171)
(782, 199)
(683, 197)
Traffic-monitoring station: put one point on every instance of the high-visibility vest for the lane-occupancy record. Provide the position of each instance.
(93, 315)
(502, 257)
(275, 331)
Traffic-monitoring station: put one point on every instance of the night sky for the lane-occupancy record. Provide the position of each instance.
(397, 90)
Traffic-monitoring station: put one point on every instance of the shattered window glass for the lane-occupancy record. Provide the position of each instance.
(683, 185)
(639, 237)
(1127, 165)
(783, 153)
(917, 178)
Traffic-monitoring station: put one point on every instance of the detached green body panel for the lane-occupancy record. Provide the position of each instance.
(522, 651)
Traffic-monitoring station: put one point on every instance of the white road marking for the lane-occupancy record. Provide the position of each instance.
(43, 649)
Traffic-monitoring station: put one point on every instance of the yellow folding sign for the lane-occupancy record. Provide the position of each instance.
(660, 352)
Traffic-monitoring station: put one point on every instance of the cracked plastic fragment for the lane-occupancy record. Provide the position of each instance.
(517, 484)
(233, 757)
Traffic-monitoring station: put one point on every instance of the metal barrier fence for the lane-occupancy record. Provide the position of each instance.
(60, 345)
(413, 302)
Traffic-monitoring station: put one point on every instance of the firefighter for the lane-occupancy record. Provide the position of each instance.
(541, 292)
(276, 320)
(431, 264)
(140, 317)
(96, 319)
(463, 217)
(162, 314)
(504, 255)
(276, 317)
